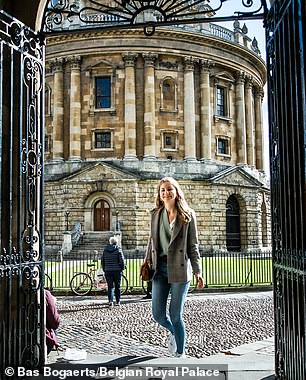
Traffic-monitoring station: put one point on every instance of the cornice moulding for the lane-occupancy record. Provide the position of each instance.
(206, 41)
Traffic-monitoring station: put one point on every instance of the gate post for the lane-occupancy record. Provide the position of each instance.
(286, 37)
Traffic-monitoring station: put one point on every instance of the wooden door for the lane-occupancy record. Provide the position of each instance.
(102, 216)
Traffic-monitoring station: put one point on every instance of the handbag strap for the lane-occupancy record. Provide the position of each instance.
(148, 249)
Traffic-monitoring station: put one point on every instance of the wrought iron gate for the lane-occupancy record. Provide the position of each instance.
(286, 37)
(21, 199)
(21, 195)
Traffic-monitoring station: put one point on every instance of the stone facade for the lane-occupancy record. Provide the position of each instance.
(181, 103)
(131, 196)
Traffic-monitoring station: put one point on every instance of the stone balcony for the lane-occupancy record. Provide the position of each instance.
(238, 35)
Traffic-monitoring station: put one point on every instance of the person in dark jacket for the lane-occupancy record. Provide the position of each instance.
(113, 264)
(52, 322)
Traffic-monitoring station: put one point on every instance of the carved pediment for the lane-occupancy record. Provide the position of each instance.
(101, 65)
(99, 172)
(224, 75)
(236, 176)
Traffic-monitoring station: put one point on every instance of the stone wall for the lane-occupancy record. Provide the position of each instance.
(96, 54)
(130, 200)
(193, 65)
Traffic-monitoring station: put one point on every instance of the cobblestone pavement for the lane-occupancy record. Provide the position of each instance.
(215, 323)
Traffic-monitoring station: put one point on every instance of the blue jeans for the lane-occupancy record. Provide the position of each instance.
(113, 278)
(174, 321)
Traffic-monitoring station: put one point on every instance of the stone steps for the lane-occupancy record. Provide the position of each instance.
(91, 243)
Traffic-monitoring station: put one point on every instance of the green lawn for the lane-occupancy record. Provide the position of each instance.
(239, 271)
(217, 271)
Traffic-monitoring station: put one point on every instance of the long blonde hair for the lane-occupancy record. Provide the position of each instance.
(184, 211)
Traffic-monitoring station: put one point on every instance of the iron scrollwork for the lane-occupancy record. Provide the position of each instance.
(62, 14)
(21, 172)
(284, 25)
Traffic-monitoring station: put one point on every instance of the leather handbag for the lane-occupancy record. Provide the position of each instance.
(146, 270)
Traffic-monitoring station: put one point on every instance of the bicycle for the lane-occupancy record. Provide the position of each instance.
(82, 282)
(48, 282)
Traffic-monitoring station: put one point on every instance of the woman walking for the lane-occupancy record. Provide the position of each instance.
(175, 255)
(113, 264)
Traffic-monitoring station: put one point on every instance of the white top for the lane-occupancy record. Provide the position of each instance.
(172, 224)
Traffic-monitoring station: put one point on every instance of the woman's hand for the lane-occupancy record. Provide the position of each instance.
(200, 281)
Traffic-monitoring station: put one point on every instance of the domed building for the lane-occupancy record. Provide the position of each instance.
(124, 109)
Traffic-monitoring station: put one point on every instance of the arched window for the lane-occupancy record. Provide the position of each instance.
(233, 240)
(47, 100)
(264, 231)
(168, 96)
(101, 216)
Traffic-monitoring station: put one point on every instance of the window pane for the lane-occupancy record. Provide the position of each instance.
(102, 140)
(169, 141)
(47, 100)
(47, 147)
(222, 146)
(220, 101)
(103, 92)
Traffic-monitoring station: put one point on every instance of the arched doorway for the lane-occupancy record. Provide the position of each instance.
(101, 216)
(100, 210)
(264, 231)
(233, 239)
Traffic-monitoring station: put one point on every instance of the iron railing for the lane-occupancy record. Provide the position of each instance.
(220, 269)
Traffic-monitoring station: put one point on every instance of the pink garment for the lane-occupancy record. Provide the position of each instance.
(52, 320)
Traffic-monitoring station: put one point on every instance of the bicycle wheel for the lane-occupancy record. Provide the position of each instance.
(124, 284)
(81, 284)
(48, 282)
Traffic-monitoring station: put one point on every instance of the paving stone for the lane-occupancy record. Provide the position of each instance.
(214, 324)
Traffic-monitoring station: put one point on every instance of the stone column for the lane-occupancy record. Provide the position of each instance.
(75, 109)
(260, 163)
(149, 106)
(240, 119)
(129, 107)
(189, 110)
(58, 110)
(205, 112)
(249, 118)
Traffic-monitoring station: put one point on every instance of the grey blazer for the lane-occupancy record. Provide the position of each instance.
(183, 251)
